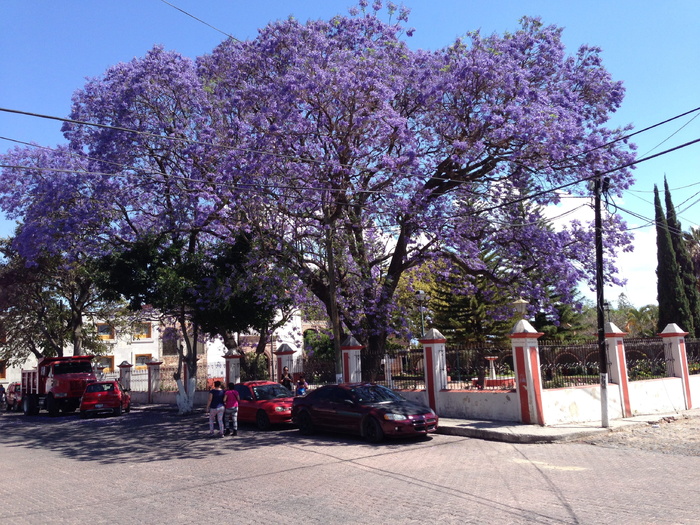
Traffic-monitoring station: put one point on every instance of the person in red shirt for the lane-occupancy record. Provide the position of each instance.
(231, 399)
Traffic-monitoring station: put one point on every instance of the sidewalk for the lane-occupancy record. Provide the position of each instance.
(511, 432)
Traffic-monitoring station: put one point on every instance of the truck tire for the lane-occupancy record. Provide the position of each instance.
(30, 405)
(51, 405)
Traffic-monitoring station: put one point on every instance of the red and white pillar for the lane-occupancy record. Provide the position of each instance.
(526, 358)
(285, 357)
(352, 366)
(618, 365)
(677, 361)
(435, 365)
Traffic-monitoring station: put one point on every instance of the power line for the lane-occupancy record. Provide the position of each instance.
(200, 20)
(321, 162)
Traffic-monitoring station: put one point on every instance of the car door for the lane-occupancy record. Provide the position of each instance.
(320, 406)
(246, 405)
(347, 414)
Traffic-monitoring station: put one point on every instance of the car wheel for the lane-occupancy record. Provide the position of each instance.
(118, 411)
(128, 408)
(83, 414)
(262, 420)
(373, 430)
(306, 426)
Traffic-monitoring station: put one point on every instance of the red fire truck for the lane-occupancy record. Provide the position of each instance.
(56, 384)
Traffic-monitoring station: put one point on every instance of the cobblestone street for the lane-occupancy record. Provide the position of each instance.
(157, 467)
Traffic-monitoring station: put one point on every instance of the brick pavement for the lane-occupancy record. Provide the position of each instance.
(156, 467)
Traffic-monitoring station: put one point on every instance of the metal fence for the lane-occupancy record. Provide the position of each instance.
(479, 367)
(647, 358)
(569, 364)
(468, 367)
(403, 370)
(692, 348)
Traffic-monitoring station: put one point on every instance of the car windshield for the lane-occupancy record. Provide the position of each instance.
(267, 392)
(375, 394)
(72, 367)
(100, 387)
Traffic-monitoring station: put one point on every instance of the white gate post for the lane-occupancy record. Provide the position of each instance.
(434, 362)
(677, 365)
(125, 374)
(233, 367)
(153, 378)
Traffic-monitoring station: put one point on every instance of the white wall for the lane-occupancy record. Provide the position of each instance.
(579, 404)
(656, 396)
(460, 404)
(496, 406)
(694, 381)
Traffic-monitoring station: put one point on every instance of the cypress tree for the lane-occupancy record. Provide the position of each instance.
(685, 264)
(673, 305)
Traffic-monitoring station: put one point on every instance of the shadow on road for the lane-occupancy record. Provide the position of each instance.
(148, 435)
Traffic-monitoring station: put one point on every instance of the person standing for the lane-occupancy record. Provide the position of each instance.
(286, 380)
(302, 385)
(215, 407)
(231, 399)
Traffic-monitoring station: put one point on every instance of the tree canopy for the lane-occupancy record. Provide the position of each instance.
(334, 138)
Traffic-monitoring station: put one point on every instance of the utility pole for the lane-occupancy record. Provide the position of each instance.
(598, 187)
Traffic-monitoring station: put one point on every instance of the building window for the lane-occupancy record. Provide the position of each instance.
(142, 331)
(140, 360)
(170, 340)
(105, 331)
(3, 369)
(105, 364)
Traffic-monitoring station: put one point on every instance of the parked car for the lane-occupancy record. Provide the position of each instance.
(264, 403)
(104, 397)
(369, 410)
(13, 396)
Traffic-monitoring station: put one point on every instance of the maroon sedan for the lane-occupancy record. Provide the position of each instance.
(369, 410)
(264, 403)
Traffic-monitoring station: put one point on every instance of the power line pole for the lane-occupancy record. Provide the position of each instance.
(599, 186)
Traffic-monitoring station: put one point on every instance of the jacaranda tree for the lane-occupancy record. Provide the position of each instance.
(383, 157)
(333, 141)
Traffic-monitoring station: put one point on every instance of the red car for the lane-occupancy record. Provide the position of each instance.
(264, 403)
(13, 397)
(104, 397)
(369, 410)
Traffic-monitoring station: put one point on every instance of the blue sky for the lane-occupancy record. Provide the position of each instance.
(47, 50)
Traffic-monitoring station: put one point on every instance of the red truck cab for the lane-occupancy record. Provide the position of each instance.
(56, 384)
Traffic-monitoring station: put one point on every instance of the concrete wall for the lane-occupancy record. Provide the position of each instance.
(656, 396)
(579, 404)
(417, 396)
(168, 398)
(491, 405)
(463, 404)
(694, 381)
